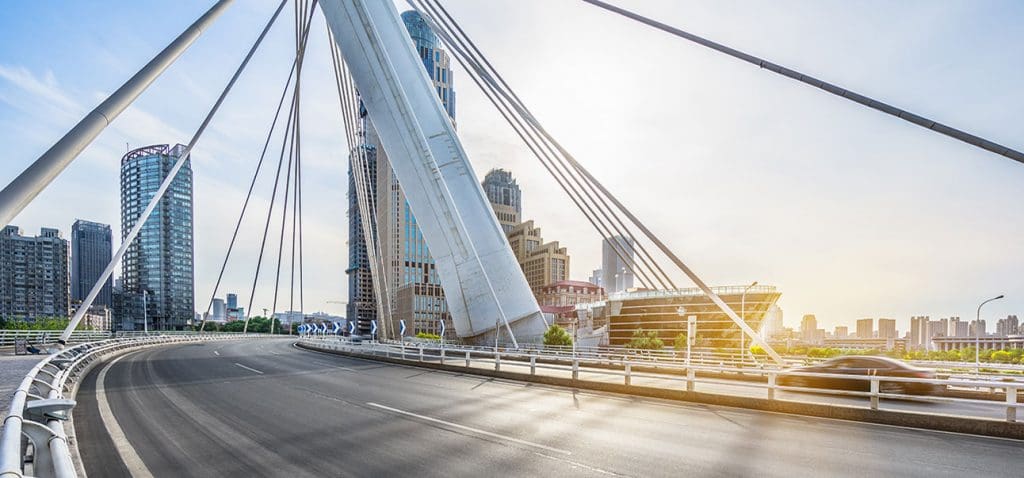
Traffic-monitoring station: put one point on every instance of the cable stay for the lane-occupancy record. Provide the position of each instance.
(548, 151)
(822, 85)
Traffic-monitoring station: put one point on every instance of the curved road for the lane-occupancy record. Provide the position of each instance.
(265, 408)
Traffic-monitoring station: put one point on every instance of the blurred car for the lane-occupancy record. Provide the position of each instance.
(864, 366)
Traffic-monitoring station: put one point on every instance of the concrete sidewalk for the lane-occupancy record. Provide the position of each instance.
(12, 371)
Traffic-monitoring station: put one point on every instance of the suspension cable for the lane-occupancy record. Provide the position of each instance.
(822, 85)
(166, 183)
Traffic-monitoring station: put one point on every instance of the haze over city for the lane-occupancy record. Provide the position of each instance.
(746, 175)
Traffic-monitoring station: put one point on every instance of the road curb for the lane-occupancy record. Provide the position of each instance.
(945, 423)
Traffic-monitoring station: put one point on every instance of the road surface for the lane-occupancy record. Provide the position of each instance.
(266, 408)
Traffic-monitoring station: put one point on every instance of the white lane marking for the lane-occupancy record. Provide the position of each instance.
(216, 352)
(470, 429)
(249, 368)
(130, 458)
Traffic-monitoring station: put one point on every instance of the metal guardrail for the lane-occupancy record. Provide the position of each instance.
(44, 400)
(45, 337)
(879, 387)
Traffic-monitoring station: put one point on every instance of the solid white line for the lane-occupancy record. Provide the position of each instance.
(249, 368)
(132, 460)
(470, 429)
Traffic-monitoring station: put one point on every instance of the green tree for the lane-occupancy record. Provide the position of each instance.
(556, 335)
(646, 340)
(680, 342)
(427, 336)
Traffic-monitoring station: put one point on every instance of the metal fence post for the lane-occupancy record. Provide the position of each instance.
(442, 355)
(690, 377)
(497, 361)
(533, 364)
(628, 378)
(771, 385)
(874, 394)
(1011, 404)
(467, 359)
(421, 353)
(575, 369)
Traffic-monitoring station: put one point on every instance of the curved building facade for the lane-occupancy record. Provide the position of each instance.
(157, 269)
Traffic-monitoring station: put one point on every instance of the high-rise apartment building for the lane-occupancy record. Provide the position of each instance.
(543, 263)
(887, 329)
(1008, 326)
(33, 274)
(410, 287)
(157, 269)
(91, 250)
(505, 197)
(919, 337)
(977, 329)
(841, 332)
(809, 328)
(957, 327)
(617, 259)
(865, 328)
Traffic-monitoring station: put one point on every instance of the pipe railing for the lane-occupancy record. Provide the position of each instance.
(54, 381)
(877, 387)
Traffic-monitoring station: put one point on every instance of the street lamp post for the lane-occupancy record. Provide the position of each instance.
(977, 335)
(743, 317)
(145, 316)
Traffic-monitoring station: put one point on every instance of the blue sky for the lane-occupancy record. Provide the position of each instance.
(748, 176)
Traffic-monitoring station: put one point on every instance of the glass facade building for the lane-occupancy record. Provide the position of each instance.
(413, 288)
(91, 250)
(157, 269)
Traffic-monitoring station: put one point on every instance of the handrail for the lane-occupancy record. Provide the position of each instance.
(52, 454)
(625, 366)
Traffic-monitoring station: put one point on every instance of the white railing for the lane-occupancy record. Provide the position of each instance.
(45, 399)
(876, 387)
(42, 337)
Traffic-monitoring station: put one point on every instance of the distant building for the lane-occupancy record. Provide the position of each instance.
(543, 263)
(1008, 326)
(841, 332)
(617, 263)
(232, 301)
(597, 277)
(33, 274)
(560, 298)
(220, 312)
(772, 325)
(977, 328)
(91, 251)
(505, 197)
(865, 328)
(957, 327)
(919, 338)
(887, 329)
(809, 328)
(158, 266)
(97, 317)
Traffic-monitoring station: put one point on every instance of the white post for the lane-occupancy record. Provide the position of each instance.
(691, 330)
(1011, 404)
(145, 315)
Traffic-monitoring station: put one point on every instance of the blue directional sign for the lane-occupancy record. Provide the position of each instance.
(352, 327)
(401, 328)
(373, 327)
(442, 328)
(337, 327)
(302, 329)
(323, 328)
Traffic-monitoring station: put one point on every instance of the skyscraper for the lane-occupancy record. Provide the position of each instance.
(505, 197)
(808, 327)
(617, 274)
(865, 328)
(919, 337)
(410, 285)
(33, 274)
(157, 269)
(886, 329)
(91, 250)
(542, 262)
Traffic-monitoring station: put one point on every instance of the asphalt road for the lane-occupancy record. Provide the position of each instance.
(265, 408)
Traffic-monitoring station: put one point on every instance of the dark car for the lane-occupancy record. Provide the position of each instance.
(865, 366)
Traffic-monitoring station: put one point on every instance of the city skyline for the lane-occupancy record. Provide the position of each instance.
(935, 236)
